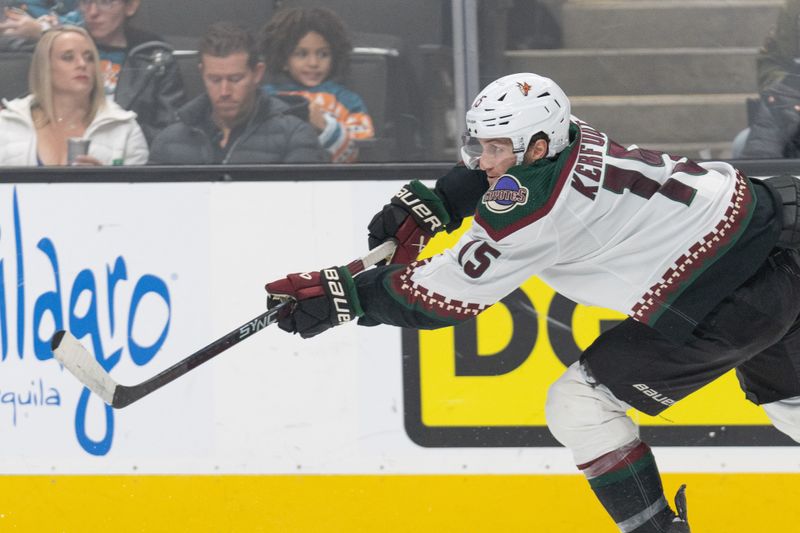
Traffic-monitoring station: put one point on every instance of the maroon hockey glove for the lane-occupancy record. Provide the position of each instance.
(321, 300)
(412, 217)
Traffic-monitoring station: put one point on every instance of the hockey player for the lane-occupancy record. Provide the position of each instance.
(699, 257)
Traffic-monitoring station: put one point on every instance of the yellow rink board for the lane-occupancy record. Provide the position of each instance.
(718, 503)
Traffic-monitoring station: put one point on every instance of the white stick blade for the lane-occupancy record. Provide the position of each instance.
(77, 359)
(383, 251)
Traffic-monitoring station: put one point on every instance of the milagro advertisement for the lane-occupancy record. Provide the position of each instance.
(121, 268)
(144, 274)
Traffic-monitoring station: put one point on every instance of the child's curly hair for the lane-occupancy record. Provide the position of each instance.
(283, 31)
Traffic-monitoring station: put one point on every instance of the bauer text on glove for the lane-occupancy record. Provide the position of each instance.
(412, 217)
(322, 300)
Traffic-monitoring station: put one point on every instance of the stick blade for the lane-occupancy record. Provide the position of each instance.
(77, 359)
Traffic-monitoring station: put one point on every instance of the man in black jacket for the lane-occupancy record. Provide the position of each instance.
(138, 66)
(233, 122)
(775, 117)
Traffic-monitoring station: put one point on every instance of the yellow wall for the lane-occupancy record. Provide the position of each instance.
(718, 503)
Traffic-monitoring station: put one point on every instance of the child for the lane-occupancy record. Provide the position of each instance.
(28, 20)
(304, 49)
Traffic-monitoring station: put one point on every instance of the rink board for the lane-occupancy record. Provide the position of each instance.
(357, 427)
(718, 503)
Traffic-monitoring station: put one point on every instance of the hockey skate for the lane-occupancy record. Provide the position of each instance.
(680, 523)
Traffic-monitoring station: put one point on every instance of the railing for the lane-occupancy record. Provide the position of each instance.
(326, 172)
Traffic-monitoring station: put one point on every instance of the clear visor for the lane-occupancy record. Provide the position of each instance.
(472, 150)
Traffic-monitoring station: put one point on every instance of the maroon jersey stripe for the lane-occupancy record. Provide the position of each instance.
(415, 296)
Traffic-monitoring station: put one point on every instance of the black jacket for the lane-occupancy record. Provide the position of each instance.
(775, 122)
(150, 82)
(273, 134)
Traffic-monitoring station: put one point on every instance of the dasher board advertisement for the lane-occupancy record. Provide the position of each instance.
(144, 274)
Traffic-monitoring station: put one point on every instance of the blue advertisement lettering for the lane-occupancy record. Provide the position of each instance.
(84, 315)
(48, 302)
(141, 355)
(20, 279)
(94, 447)
(3, 318)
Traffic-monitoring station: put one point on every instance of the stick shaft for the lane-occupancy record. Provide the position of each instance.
(125, 395)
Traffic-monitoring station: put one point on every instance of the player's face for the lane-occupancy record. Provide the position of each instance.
(105, 19)
(72, 64)
(497, 156)
(311, 60)
(231, 85)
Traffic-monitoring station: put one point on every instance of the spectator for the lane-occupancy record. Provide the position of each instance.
(305, 48)
(234, 122)
(777, 57)
(67, 101)
(138, 68)
(775, 118)
(26, 21)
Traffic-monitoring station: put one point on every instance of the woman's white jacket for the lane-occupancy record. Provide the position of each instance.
(116, 137)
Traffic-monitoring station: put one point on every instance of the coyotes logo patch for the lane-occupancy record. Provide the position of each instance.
(506, 194)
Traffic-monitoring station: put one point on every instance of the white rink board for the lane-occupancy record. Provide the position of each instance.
(274, 404)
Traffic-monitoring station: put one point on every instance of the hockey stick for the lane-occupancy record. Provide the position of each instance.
(84, 366)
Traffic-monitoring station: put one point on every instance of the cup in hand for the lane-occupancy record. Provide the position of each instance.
(75, 147)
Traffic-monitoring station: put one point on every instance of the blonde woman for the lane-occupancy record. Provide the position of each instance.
(67, 100)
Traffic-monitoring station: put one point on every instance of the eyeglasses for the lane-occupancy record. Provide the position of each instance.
(101, 4)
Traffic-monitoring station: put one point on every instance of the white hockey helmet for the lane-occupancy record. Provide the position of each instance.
(518, 106)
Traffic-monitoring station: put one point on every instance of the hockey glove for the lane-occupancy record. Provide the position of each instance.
(412, 217)
(321, 300)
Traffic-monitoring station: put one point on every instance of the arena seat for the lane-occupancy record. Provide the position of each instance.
(187, 61)
(14, 81)
(190, 18)
(380, 73)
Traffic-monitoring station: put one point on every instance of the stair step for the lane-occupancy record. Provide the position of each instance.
(667, 23)
(642, 70)
(659, 119)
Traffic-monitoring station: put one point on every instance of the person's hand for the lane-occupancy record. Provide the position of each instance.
(316, 116)
(20, 24)
(319, 300)
(411, 218)
(86, 161)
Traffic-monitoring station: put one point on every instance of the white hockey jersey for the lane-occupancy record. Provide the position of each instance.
(622, 228)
